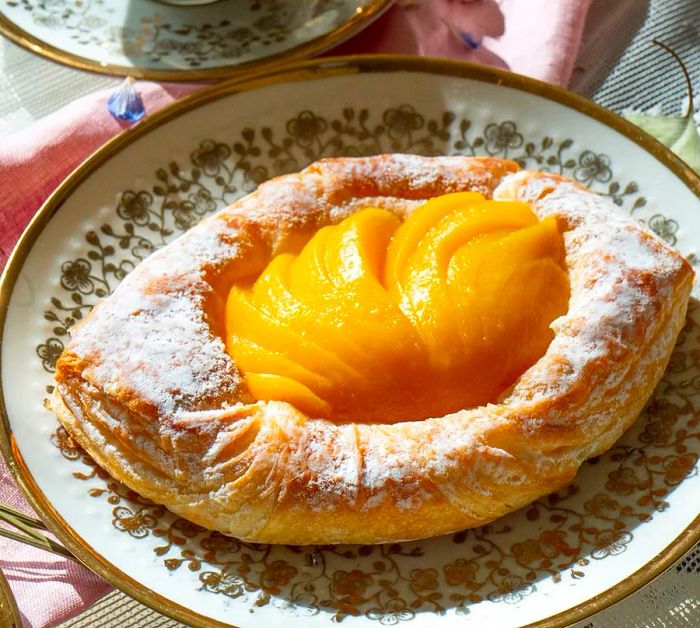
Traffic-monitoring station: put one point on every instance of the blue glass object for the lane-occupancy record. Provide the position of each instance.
(125, 103)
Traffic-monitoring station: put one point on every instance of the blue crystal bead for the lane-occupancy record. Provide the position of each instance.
(125, 103)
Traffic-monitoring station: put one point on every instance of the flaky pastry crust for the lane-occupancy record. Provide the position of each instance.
(147, 388)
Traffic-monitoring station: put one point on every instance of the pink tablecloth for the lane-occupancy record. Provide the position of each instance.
(535, 37)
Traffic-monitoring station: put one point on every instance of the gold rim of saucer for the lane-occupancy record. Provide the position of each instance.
(303, 71)
(362, 18)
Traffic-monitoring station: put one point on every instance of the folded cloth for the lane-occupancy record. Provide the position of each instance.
(535, 37)
(539, 38)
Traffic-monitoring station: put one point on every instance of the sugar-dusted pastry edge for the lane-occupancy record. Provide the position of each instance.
(264, 472)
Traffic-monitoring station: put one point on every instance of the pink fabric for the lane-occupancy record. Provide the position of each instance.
(48, 588)
(535, 37)
(539, 38)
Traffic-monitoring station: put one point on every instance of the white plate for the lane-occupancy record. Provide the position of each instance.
(628, 515)
(152, 39)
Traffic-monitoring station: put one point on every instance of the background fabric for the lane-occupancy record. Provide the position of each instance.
(48, 588)
(539, 38)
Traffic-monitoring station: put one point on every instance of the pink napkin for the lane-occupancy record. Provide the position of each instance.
(539, 38)
(535, 37)
(48, 588)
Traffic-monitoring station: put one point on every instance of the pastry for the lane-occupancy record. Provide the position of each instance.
(376, 349)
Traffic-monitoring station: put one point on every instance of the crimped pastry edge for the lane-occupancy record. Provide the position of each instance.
(264, 472)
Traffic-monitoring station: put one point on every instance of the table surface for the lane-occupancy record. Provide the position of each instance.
(617, 67)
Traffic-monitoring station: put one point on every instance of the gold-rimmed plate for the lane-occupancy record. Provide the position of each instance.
(160, 41)
(628, 515)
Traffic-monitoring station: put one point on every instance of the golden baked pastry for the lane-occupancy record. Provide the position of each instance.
(148, 386)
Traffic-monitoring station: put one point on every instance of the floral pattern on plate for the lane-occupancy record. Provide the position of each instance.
(556, 538)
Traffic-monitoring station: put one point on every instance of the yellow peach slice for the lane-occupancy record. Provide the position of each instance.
(355, 251)
(422, 291)
(254, 357)
(246, 320)
(380, 321)
(271, 387)
(479, 273)
(417, 225)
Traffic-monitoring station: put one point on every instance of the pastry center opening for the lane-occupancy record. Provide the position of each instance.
(381, 321)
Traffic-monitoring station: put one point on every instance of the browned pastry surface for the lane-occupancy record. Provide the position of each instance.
(147, 388)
